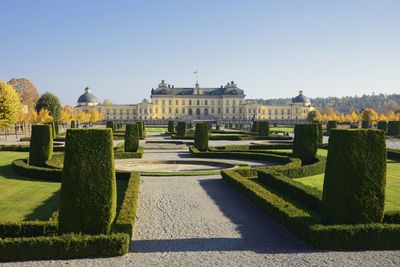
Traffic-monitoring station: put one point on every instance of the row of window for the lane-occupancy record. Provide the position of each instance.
(128, 112)
(198, 111)
(198, 102)
(275, 111)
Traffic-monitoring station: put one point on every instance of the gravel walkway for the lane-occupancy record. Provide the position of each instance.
(200, 221)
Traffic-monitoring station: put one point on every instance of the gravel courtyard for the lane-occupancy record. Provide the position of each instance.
(200, 221)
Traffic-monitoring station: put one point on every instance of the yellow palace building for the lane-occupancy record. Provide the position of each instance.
(224, 104)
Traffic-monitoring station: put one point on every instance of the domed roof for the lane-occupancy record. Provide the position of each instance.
(87, 98)
(301, 99)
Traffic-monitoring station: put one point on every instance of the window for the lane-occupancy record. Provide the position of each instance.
(198, 102)
(233, 110)
(156, 102)
(183, 102)
(206, 111)
(170, 102)
(269, 112)
(212, 110)
(240, 110)
(169, 110)
(276, 112)
(108, 113)
(163, 110)
(227, 102)
(190, 102)
(176, 102)
(234, 102)
(149, 110)
(198, 111)
(288, 111)
(114, 111)
(206, 102)
(176, 110)
(263, 111)
(259, 111)
(190, 111)
(163, 102)
(219, 110)
(227, 110)
(183, 110)
(282, 111)
(156, 110)
(249, 111)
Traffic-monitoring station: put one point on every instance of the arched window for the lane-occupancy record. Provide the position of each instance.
(190, 112)
(206, 111)
(198, 111)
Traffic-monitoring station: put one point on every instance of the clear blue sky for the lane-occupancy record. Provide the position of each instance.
(271, 49)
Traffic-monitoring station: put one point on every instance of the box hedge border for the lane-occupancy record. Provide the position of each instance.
(38, 240)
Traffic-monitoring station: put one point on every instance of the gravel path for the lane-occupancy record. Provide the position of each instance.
(200, 221)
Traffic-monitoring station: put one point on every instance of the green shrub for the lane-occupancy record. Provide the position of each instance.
(67, 246)
(392, 216)
(181, 128)
(190, 125)
(306, 195)
(263, 128)
(393, 128)
(355, 177)
(382, 125)
(365, 125)
(41, 145)
(171, 126)
(201, 136)
(21, 167)
(88, 189)
(73, 124)
(254, 127)
(305, 143)
(111, 125)
(331, 125)
(131, 138)
(27, 229)
(320, 133)
(318, 167)
(57, 127)
(126, 218)
(142, 130)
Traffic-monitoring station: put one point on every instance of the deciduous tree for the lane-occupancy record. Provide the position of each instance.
(10, 105)
(27, 91)
(51, 103)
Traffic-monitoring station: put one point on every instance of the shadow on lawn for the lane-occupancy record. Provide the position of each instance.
(45, 209)
(258, 232)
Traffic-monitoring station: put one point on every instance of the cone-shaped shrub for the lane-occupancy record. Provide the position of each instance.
(181, 128)
(393, 128)
(72, 124)
(57, 127)
(111, 125)
(254, 127)
(263, 128)
(41, 145)
(131, 138)
(201, 136)
(320, 133)
(305, 143)
(88, 188)
(355, 177)
(382, 125)
(171, 126)
(53, 128)
(365, 125)
(331, 125)
(142, 130)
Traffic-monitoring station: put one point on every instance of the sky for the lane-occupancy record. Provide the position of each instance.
(271, 49)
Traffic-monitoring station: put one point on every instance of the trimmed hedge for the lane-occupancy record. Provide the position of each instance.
(382, 125)
(67, 246)
(131, 138)
(263, 128)
(393, 128)
(88, 188)
(320, 133)
(41, 145)
(355, 177)
(171, 126)
(254, 127)
(305, 143)
(201, 136)
(21, 167)
(111, 125)
(27, 229)
(181, 128)
(307, 195)
(331, 125)
(129, 155)
(142, 130)
(126, 218)
(315, 168)
(365, 125)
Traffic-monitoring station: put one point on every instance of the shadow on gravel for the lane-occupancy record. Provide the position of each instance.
(258, 232)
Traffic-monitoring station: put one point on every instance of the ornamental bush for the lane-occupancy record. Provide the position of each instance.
(355, 177)
(53, 128)
(41, 145)
(201, 136)
(254, 127)
(131, 138)
(382, 125)
(111, 125)
(142, 130)
(330, 125)
(393, 128)
(263, 128)
(365, 125)
(320, 133)
(181, 128)
(171, 126)
(88, 188)
(305, 143)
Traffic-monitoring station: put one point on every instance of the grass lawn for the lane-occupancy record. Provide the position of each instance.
(392, 201)
(28, 199)
(156, 129)
(282, 129)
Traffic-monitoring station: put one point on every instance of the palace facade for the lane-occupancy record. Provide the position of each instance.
(220, 104)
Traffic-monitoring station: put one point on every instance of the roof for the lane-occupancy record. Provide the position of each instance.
(87, 97)
(229, 89)
(300, 98)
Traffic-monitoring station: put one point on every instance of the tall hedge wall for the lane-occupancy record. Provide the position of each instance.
(201, 136)
(171, 126)
(111, 125)
(393, 128)
(355, 177)
(263, 128)
(330, 125)
(41, 145)
(305, 143)
(382, 125)
(131, 138)
(181, 128)
(88, 188)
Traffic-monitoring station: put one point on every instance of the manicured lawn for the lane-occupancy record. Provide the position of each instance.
(282, 129)
(28, 199)
(392, 201)
(156, 129)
